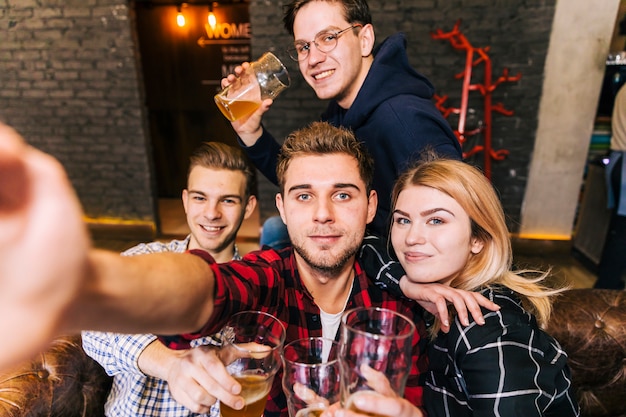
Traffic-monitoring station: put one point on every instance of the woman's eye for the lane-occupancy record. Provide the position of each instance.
(402, 220)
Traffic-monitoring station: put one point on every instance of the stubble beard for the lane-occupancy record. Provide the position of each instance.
(328, 265)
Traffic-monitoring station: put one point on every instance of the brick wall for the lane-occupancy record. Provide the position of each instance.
(516, 30)
(69, 85)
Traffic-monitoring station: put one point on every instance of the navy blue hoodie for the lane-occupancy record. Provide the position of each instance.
(393, 115)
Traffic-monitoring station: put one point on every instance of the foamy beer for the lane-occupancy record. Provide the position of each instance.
(264, 78)
(251, 352)
(375, 343)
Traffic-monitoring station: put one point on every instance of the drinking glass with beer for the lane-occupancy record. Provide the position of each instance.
(375, 351)
(264, 78)
(251, 351)
(311, 376)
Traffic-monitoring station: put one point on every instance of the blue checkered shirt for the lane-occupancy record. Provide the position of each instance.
(134, 393)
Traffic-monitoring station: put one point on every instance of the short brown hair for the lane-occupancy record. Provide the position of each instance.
(320, 138)
(355, 11)
(218, 155)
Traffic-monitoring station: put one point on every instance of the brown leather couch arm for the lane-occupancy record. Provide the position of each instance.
(62, 381)
(590, 324)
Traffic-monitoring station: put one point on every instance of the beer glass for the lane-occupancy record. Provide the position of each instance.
(264, 78)
(251, 351)
(377, 338)
(311, 376)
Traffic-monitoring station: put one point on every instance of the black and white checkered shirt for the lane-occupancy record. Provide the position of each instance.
(508, 367)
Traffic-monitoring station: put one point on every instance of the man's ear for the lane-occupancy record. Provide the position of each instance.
(280, 206)
(184, 198)
(250, 206)
(367, 38)
(372, 205)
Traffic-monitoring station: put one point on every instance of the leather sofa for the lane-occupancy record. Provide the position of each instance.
(61, 381)
(589, 323)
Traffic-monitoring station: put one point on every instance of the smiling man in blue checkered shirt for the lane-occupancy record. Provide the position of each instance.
(219, 196)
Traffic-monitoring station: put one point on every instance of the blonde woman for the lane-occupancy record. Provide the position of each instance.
(448, 227)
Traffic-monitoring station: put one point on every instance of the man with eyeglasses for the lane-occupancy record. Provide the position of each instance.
(372, 91)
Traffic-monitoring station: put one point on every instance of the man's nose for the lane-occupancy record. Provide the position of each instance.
(323, 211)
(315, 55)
(212, 211)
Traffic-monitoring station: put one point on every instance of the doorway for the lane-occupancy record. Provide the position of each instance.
(182, 63)
(182, 66)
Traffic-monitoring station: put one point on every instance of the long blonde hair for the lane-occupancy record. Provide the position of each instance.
(493, 265)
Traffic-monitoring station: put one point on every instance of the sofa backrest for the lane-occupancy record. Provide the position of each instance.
(590, 324)
(60, 382)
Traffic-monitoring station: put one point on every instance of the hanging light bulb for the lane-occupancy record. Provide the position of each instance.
(180, 18)
(211, 19)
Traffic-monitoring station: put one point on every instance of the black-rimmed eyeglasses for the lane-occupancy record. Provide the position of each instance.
(324, 42)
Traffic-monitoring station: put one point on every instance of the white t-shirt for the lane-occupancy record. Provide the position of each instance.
(330, 325)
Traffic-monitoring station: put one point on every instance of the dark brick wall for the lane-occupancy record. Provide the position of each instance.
(69, 85)
(517, 32)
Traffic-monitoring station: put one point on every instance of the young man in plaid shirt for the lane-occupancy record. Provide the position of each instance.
(326, 200)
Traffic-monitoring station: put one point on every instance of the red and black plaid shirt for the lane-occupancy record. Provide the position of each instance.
(268, 280)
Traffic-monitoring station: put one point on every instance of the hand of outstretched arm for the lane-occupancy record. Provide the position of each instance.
(43, 247)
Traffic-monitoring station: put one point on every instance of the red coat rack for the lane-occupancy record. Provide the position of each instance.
(473, 57)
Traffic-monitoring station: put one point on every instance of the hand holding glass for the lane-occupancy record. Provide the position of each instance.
(252, 346)
(264, 78)
(311, 376)
(379, 339)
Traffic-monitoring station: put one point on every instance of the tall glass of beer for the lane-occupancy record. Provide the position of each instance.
(251, 351)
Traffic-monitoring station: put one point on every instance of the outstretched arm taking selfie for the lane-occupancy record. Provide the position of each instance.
(47, 290)
(136, 294)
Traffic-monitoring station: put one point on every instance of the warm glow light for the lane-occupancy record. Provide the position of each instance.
(212, 20)
(180, 19)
